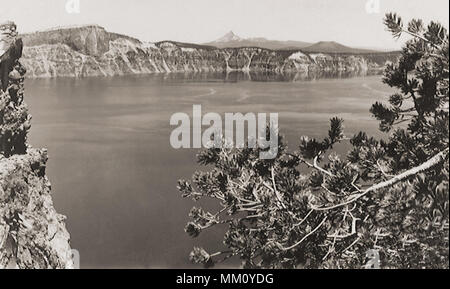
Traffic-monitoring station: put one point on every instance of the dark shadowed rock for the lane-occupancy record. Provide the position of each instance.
(10, 51)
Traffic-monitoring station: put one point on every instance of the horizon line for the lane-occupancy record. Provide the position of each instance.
(75, 26)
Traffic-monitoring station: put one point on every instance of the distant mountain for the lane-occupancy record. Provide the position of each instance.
(90, 50)
(230, 36)
(231, 40)
(334, 47)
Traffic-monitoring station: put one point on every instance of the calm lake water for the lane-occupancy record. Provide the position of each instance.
(114, 173)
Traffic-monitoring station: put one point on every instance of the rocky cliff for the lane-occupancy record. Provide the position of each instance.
(92, 51)
(32, 234)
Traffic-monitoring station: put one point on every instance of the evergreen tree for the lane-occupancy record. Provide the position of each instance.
(315, 209)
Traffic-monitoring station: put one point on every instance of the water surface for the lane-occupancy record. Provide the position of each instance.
(114, 173)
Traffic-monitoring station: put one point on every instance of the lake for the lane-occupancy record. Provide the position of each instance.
(114, 173)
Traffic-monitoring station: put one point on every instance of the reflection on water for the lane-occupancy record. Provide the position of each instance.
(114, 172)
(236, 76)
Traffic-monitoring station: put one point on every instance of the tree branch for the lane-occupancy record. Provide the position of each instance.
(434, 161)
(304, 238)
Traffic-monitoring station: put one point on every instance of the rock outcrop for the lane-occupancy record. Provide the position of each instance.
(32, 233)
(10, 50)
(91, 40)
(92, 51)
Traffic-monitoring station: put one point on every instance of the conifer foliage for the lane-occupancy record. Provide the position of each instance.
(315, 209)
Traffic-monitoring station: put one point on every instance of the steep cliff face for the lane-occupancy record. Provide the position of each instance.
(91, 40)
(92, 51)
(32, 233)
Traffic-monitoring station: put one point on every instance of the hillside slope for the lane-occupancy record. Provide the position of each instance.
(334, 47)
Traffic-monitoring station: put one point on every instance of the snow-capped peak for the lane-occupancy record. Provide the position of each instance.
(230, 36)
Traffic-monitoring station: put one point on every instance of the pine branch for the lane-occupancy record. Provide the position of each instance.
(304, 238)
(434, 161)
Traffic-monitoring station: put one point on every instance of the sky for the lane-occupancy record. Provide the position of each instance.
(356, 23)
